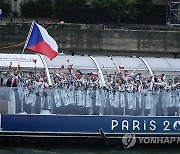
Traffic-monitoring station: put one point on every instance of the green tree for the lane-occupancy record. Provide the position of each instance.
(117, 10)
(70, 3)
(6, 8)
(38, 9)
(145, 12)
(63, 8)
(145, 5)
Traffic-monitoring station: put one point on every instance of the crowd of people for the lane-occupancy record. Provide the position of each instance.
(72, 92)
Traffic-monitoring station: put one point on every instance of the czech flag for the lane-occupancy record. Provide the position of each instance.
(40, 41)
(121, 67)
(61, 68)
(34, 61)
(94, 74)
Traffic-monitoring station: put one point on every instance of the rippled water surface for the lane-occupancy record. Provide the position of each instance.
(88, 150)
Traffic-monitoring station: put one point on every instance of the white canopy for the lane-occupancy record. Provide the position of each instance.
(99, 64)
(25, 61)
(86, 64)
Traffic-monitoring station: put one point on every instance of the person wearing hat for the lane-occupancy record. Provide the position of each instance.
(121, 90)
(129, 93)
(95, 85)
(116, 102)
(158, 86)
(57, 93)
(79, 87)
(148, 103)
(109, 85)
(170, 94)
(137, 94)
(88, 90)
(176, 85)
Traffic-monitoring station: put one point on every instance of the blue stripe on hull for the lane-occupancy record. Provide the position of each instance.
(90, 124)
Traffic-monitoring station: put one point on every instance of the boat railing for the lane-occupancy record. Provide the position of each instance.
(70, 101)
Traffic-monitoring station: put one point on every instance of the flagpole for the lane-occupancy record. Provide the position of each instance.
(27, 39)
(105, 70)
(35, 71)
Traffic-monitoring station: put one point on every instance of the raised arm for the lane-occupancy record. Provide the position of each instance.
(10, 67)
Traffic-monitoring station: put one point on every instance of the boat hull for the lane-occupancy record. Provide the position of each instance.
(89, 129)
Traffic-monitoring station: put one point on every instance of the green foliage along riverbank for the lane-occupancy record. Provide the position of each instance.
(98, 11)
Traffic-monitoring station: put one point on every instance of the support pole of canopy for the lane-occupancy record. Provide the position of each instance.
(99, 70)
(147, 65)
(46, 69)
(170, 64)
(153, 108)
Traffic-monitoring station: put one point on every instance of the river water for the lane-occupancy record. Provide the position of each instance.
(88, 150)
